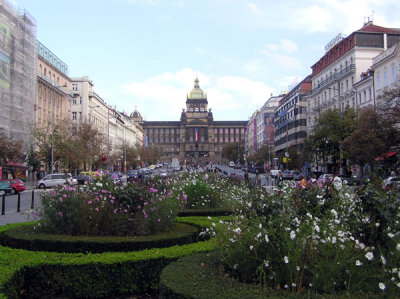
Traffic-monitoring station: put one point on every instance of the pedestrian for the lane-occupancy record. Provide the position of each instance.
(246, 177)
(303, 182)
(280, 178)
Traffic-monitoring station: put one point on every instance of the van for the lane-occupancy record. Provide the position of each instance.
(274, 172)
(231, 164)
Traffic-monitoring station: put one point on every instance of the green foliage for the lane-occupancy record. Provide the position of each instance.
(28, 237)
(34, 274)
(319, 238)
(108, 209)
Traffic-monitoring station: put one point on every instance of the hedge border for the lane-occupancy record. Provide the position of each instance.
(183, 233)
(15, 264)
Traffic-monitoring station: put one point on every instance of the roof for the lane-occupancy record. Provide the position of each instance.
(371, 28)
(196, 93)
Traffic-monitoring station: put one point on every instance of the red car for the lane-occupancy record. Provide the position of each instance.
(17, 185)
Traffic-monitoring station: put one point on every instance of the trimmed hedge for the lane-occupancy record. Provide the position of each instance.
(199, 276)
(205, 212)
(49, 274)
(25, 237)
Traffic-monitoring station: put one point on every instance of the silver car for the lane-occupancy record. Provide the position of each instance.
(56, 179)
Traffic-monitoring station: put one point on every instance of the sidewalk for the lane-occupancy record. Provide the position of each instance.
(15, 217)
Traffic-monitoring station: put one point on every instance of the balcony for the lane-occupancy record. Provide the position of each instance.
(335, 77)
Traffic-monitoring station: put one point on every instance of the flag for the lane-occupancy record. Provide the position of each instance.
(196, 134)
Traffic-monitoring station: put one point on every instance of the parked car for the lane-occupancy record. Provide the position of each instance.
(82, 179)
(163, 173)
(287, 175)
(56, 179)
(17, 185)
(133, 175)
(297, 175)
(274, 173)
(5, 187)
(231, 164)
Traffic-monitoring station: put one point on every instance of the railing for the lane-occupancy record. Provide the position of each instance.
(334, 77)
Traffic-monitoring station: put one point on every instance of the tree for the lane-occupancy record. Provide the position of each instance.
(32, 159)
(330, 130)
(230, 152)
(9, 149)
(366, 142)
(150, 154)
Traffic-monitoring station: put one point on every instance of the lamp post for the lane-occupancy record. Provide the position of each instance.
(341, 128)
(52, 126)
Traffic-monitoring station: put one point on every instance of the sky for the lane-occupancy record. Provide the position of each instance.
(145, 54)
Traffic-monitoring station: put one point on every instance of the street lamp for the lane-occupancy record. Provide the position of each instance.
(340, 116)
(52, 127)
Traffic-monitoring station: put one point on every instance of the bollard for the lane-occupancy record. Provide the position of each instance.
(19, 203)
(33, 199)
(3, 204)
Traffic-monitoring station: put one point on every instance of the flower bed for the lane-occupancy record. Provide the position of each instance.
(320, 238)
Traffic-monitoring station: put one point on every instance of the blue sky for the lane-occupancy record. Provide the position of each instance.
(146, 53)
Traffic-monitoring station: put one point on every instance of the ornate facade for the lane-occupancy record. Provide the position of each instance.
(196, 137)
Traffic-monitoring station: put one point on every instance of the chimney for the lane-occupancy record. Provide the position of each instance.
(384, 42)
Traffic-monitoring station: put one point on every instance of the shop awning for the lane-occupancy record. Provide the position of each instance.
(388, 155)
(379, 158)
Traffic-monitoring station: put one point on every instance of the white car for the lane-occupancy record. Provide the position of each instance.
(231, 164)
(57, 179)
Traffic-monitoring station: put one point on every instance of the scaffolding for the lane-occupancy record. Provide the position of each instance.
(18, 57)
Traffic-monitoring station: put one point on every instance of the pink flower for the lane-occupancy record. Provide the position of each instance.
(145, 214)
(60, 199)
(96, 209)
(170, 212)
(158, 219)
(89, 202)
(112, 201)
(97, 199)
(160, 199)
(139, 207)
(145, 203)
(53, 192)
(152, 190)
(103, 191)
(125, 210)
(60, 214)
(64, 195)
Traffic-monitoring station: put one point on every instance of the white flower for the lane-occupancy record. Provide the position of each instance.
(297, 268)
(293, 285)
(358, 263)
(286, 260)
(259, 235)
(237, 230)
(382, 286)
(398, 246)
(362, 246)
(398, 284)
(266, 238)
(391, 235)
(251, 247)
(383, 260)
(235, 266)
(369, 255)
(292, 235)
(394, 270)
(316, 228)
(333, 240)
(260, 225)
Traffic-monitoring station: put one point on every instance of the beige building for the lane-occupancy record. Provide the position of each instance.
(196, 137)
(386, 67)
(117, 128)
(53, 102)
(334, 75)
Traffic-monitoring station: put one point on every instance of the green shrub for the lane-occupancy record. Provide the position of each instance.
(315, 238)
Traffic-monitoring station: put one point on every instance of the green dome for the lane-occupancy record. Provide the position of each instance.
(196, 93)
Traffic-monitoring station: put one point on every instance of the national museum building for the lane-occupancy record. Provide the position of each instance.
(196, 137)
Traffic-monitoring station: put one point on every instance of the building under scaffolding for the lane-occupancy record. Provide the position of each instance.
(17, 72)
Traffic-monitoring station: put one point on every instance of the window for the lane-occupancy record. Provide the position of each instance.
(74, 100)
(74, 86)
(378, 81)
(385, 78)
(393, 74)
(196, 109)
(80, 100)
(74, 115)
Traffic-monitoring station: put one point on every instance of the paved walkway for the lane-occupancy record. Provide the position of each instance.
(15, 218)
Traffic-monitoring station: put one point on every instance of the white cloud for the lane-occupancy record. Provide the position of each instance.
(162, 97)
(284, 45)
